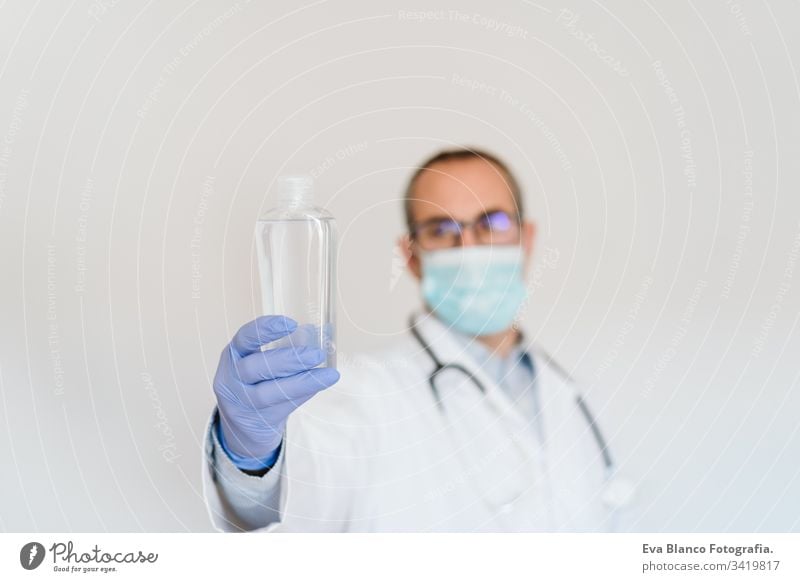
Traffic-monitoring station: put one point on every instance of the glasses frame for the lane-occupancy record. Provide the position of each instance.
(463, 225)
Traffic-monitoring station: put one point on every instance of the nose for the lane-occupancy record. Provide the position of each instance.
(467, 238)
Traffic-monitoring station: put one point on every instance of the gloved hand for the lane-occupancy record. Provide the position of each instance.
(256, 391)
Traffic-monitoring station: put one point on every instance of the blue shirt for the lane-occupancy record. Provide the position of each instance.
(514, 373)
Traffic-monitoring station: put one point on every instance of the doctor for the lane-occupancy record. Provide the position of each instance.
(463, 424)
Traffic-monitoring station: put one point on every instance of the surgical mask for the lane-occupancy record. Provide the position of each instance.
(475, 289)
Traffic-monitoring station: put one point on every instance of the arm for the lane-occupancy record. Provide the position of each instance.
(238, 501)
(256, 391)
(318, 481)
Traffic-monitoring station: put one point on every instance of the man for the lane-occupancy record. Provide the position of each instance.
(462, 425)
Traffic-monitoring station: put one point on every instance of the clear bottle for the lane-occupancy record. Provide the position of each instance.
(296, 243)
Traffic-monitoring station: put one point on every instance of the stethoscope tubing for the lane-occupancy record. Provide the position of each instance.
(440, 367)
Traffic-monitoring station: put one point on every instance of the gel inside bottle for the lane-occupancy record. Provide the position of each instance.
(296, 243)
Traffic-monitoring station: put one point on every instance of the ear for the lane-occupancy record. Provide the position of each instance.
(412, 260)
(529, 231)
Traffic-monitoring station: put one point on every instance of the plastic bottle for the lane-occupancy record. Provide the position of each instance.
(296, 243)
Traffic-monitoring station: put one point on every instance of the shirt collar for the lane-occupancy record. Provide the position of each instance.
(491, 361)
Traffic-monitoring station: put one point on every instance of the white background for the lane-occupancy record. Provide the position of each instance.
(659, 156)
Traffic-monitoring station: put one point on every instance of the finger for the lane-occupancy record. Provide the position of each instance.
(305, 384)
(278, 363)
(262, 330)
(284, 409)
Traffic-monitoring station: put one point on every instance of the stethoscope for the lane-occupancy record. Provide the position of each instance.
(440, 367)
(619, 491)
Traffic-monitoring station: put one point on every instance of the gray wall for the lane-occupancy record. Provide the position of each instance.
(657, 144)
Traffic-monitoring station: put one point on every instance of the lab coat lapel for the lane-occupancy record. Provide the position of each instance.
(574, 459)
(501, 455)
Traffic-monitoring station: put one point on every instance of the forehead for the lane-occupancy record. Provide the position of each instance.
(461, 189)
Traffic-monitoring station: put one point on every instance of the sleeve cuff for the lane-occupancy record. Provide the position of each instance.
(246, 463)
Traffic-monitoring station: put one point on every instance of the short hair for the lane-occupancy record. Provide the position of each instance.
(460, 154)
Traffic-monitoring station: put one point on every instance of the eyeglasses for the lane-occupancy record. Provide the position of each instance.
(493, 227)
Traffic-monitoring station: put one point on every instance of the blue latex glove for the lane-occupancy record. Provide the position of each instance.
(256, 391)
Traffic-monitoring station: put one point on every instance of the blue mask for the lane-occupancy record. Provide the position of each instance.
(475, 289)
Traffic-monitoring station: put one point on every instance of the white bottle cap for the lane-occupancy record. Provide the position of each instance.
(295, 191)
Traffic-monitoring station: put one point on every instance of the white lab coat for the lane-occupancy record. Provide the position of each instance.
(375, 453)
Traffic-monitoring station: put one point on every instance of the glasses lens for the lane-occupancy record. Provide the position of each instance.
(446, 228)
(498, 227)
(496, 222)
(439, 233)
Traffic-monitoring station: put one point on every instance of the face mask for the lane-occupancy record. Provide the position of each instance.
(475, 289)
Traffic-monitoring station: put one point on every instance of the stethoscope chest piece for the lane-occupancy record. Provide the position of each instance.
(618, 492)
